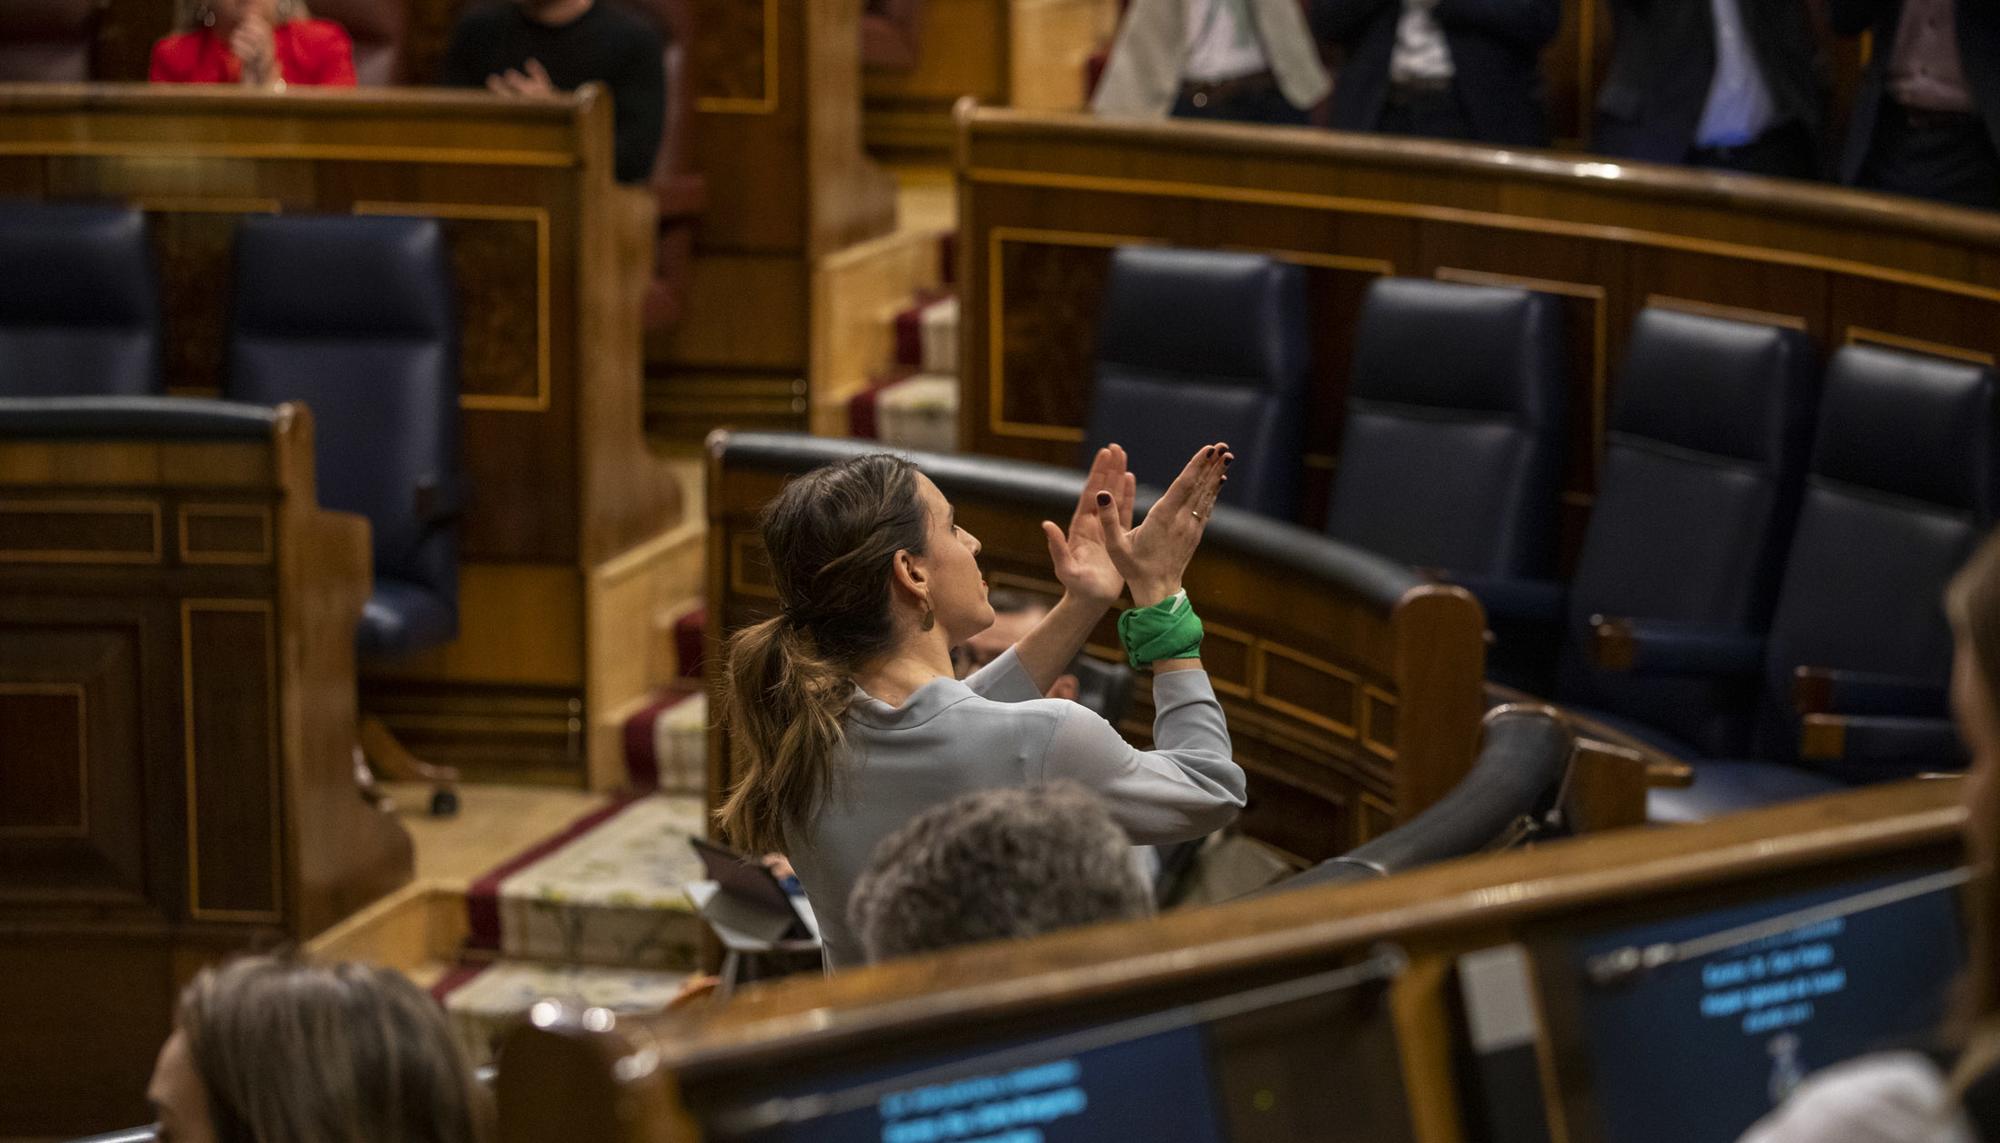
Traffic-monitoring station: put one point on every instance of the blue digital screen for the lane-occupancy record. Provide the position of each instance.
(1152, 1087)
(1700, 1049)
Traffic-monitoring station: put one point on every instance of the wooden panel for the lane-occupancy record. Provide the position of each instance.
(44, 760)
(235, 867)
(776, 132)
(71, 1072)
(79, 531)
(72, 766)
(225, 534)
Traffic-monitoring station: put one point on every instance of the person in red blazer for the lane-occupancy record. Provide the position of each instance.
(257, 43)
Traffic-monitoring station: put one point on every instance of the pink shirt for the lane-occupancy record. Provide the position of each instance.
(1925, 72)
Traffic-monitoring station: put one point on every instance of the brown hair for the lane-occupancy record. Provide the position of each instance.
(1973, 604)
(290, 1052)
(831, 536)
(192, 13)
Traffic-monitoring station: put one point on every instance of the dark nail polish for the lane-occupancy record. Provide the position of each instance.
(1103, 499)
(1226, 460)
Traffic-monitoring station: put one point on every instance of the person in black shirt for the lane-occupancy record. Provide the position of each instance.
(534, 47)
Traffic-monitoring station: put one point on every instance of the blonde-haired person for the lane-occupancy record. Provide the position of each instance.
(1906, 1097)
(256, 43)
(273, 1050)
(846, 718)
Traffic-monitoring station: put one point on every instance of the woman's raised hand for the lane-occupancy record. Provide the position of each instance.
(1082, 564)
(1152, 556)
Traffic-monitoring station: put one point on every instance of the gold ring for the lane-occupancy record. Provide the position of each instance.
(1194, 513)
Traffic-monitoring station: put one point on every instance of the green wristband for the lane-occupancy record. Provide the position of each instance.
(1168, 629)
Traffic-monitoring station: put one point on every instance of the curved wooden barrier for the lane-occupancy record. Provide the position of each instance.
(1352, 686)
(1044, 199)
(1406, 1067)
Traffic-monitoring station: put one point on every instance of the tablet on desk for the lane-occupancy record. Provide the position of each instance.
(751, 889)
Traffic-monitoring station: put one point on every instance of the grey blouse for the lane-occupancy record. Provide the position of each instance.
(994, 729)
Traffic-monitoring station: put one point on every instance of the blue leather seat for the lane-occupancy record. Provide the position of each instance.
(1704, 460)
(79, 306)
(1901, 488)
(356, 318)
(1451, 451)
(1198, 346)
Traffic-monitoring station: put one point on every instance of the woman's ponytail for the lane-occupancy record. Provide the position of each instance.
(832, 536)
(783, 709)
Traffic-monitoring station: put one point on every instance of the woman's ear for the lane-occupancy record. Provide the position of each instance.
(910, 575)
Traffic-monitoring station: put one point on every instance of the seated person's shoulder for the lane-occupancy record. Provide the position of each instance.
(317, 31)
(639, 32)
(483, 15)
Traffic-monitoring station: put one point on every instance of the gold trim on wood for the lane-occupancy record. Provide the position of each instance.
(180, 151)
(1727, 313)
(1250, 661)
(539, 403)
(66, 690)
(996, 347)
(251, 606)
(1862, 335)
(258, 512)
(765, 104)
(174, 205)
(1346, 729)
(739, 548)
(1381, 267)
(1164, 188)
(1376, 746)
(149, 508)
(1599, 332)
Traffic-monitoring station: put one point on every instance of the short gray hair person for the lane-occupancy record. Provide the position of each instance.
(995, 865)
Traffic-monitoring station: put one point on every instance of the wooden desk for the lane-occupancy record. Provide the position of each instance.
(1026, 54)
(777, 134)
(568, 544)
(176, 731)
(1351, 686)
(1045, 198)
(653, 1079)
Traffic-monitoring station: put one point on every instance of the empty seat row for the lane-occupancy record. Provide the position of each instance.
(1757, 588)
(353, 316)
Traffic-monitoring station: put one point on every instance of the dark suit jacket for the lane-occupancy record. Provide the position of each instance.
(1663, 60)
(1496, 48)
(1978, 48)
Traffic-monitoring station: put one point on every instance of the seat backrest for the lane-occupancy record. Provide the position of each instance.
(48, 41)
(356, 318)
(1449, 457)
(1703, 462)
(1198, 346)
(79, 304)
(1900, 490)
(380, 31)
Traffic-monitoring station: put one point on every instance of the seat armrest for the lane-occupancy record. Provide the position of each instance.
(1507, 597)
(1822, 690)
(1874, 746)
(1665, 647)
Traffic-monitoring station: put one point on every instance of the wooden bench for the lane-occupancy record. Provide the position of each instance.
(177, 695)
(1356, 994)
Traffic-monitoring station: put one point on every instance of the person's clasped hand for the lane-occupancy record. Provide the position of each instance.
(254, 44)
(531, 79)
(1153, 555)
